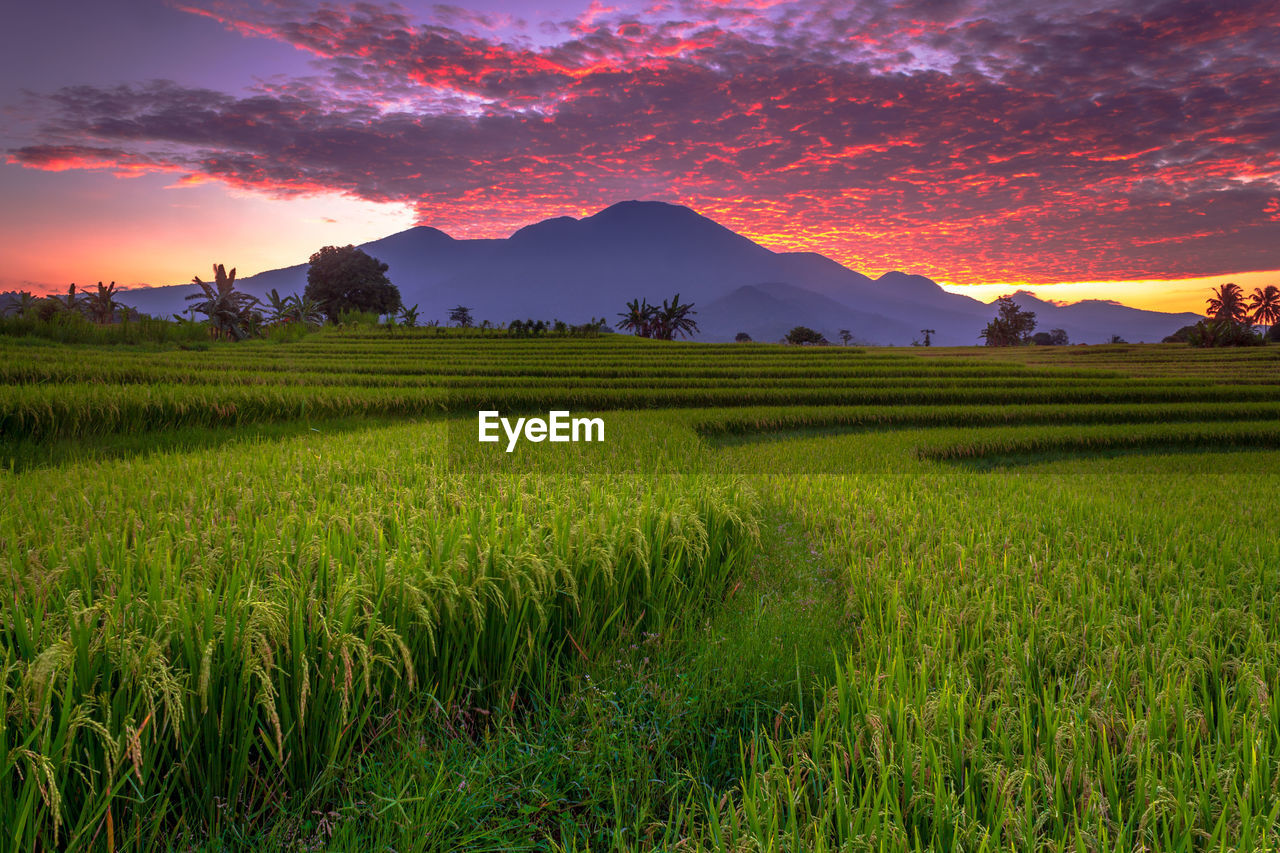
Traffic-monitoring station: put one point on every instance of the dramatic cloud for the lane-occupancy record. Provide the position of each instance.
(976, 141)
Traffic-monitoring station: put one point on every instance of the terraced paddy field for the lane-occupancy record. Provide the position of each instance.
(267, 596)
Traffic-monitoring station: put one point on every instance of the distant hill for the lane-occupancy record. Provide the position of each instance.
(1096, 320)
(574, 269)
(768, 311)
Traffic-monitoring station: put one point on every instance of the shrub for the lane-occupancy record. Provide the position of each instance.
(805, 335)
(1223, 333)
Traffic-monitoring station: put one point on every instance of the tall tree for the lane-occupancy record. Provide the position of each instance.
(1012, 326)
(347, 279)
(928, 336)
(460, 315)
(1264, 305)
(1227, 303)
(231, 312)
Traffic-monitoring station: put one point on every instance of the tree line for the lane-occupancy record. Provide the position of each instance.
(98, 306)
(1231, 319)
(346, 285)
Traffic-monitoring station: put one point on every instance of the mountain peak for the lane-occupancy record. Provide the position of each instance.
(1025, 297)
(672, 224)
(634, 209)
(557, 226)
(909, 285)
(418, 235)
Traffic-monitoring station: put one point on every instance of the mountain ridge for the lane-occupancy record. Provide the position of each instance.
(580, 268)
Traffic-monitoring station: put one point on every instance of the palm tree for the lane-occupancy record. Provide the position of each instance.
(638, 318)
(928, 336)
(1227, 303)
(101, 306)
(1265, 305)
(230, 311)
(409, 315)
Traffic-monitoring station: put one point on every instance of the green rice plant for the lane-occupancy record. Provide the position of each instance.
(1080, 438)
(1038, 658)
(721, 424)
(193, 641)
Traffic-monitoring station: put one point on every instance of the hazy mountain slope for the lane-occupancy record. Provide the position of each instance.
(768, 311)
(576, 269)
(1095, 320)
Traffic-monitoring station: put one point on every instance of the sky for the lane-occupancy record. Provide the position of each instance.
(1115, 150)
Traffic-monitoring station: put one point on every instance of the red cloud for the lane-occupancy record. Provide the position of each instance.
(972, 142)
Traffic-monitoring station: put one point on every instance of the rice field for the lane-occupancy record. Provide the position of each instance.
(276, 595)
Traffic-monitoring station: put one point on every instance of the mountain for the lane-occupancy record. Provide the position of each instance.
(1097, 320)
(575, 269)
(768, 311)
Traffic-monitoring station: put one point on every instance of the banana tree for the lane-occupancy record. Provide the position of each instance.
(639, 318)
(102, 306)
(280, 307)
(22, 303)
(409, 316)
(230, 311)
(307, 311)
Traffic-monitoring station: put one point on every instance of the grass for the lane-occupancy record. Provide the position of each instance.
(770, 612)
(26, 454)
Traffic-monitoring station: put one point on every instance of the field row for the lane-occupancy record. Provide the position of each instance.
(1094, 439)
(44, 412)
(34, 364)
(391, 376)
(1146, 360)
